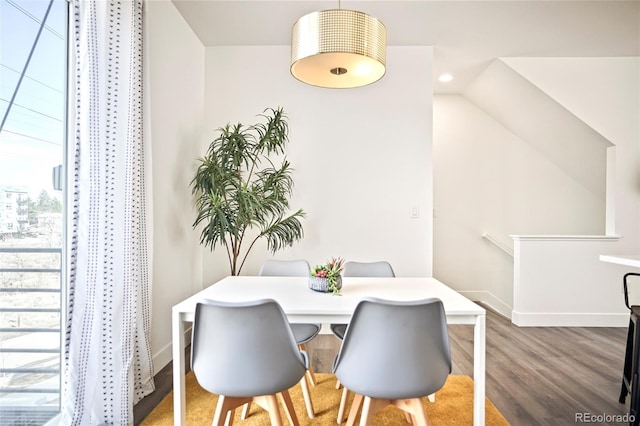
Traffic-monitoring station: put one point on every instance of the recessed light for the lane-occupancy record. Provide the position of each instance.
(445, 78)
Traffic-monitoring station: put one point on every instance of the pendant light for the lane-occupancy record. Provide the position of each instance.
(338, 48)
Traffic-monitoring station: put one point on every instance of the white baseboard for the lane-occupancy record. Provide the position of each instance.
(544, 319)
(162, 358)
(490, 300)
(548, 319)
(165, 355)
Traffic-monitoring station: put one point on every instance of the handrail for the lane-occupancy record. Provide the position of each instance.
(29, 350)
(20, 270)
(28, 370)
(28, 290)
(35, 390)
(39, 310)
(30, 250)
(43, 365)
(505, 248)
(29, 330)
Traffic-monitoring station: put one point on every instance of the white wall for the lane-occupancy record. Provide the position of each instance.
(347, 147)
(174, 90)
(560, 281)
(362, 157)
(604, 93)
(362, 160)
(487, 179)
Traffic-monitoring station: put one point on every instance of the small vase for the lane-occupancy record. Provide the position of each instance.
(322, 284)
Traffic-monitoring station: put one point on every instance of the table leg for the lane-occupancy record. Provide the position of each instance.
(179, 398)
(479, 354)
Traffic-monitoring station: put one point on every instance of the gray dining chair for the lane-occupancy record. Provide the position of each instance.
(358, 269)
(362, 269)
(294, 268)
(394, 353)
(246, 352)
(303, 333)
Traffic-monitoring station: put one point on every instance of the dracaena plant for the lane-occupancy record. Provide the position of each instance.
(242, 195)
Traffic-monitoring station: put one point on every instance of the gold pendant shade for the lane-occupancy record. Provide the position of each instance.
(338, 49)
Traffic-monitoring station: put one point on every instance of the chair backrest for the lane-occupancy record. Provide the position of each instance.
(367, 269)
(395, 350)
(285, 268)
(244, 349)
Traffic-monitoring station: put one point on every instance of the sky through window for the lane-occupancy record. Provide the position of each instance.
(31, 137)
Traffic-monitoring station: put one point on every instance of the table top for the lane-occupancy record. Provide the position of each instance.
(630, 260)
(302, 304)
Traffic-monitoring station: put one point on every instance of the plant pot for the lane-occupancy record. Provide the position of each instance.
(322, 284)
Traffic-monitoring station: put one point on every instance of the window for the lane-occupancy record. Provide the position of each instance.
(33, 69)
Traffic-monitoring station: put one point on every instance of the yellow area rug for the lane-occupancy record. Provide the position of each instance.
(453, 406)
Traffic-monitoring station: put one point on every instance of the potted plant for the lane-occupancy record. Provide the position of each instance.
(240, 195)
(326, 277)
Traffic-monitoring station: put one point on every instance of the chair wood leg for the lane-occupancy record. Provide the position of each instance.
(307, 397)
(217, 415)
(245, 411)
(343, 404)
(409, 418)
(310, 373)
(274, 411)
(338, 384)
(414, 408)
(355, 407)
(288, 408)
(370, 406)
(230, 416)
(270, 403)
(225, 406)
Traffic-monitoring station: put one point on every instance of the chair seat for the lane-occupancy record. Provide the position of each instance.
(305, 332)
(339, 330)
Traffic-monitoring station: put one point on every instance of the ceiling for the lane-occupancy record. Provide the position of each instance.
(466, 35)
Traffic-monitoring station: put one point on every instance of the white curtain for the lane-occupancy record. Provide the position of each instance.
(107, 360)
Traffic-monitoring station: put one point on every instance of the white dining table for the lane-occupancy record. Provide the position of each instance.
(303, 305)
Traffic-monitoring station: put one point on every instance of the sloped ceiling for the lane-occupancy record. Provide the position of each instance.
(466, 35)
(547, 126)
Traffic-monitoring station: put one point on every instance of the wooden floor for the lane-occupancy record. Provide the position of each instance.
(545, 376)
(534, 376)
